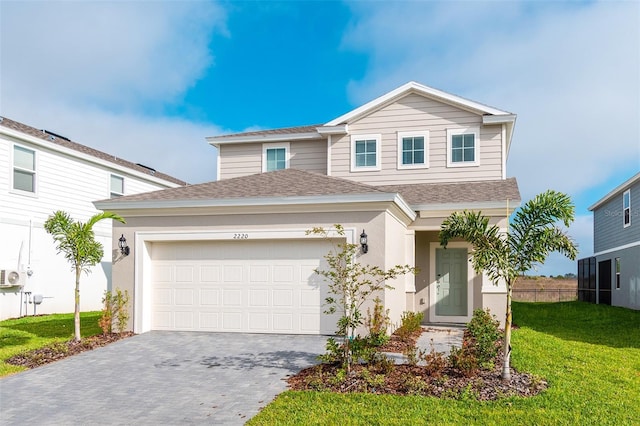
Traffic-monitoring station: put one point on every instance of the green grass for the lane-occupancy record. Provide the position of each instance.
(27, 333)
(590, 355)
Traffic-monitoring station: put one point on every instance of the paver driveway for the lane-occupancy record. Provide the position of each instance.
(160, 378)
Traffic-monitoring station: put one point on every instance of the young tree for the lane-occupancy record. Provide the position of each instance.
(533, 234)
(77, 241)
(350, 286)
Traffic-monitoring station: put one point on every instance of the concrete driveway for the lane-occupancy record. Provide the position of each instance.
(160, 378)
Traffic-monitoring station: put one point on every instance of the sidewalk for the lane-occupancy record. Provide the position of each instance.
(437, 337)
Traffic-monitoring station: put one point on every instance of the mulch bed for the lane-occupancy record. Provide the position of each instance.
(396, 344)
(60, 350)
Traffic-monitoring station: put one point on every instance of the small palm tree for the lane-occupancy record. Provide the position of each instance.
(533, 234)
(77, 241)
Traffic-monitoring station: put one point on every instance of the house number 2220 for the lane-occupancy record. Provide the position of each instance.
(240, 236)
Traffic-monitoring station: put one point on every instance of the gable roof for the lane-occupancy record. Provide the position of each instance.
(61, 141)
(617, 190)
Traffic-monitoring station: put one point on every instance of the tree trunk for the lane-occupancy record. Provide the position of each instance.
(506, 369)
(76, 316)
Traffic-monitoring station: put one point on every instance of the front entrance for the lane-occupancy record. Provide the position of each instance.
(451, 282)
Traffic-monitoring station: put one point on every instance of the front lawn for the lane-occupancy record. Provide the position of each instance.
(32, 332)
(590, 355)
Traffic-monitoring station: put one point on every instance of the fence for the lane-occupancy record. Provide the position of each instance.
(545, 295)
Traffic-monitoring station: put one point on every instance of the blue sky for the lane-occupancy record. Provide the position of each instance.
(148, 81)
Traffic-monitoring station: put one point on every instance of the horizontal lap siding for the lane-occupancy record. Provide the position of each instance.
(609, 231)
(415, 113)
(309, 155)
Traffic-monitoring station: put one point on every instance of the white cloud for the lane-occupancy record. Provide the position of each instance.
(101, 73)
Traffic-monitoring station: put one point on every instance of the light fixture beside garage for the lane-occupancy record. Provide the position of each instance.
(363, 242)
(122, 244)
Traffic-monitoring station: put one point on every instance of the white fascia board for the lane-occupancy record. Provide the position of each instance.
(420, 89)
(85, 157)
(508, 119)
(333, 130)
(616, 191)
(267, 201)
(480, 205)
(263, 138)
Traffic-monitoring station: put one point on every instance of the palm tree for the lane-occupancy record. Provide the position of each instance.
(77, 241)
(533, 234)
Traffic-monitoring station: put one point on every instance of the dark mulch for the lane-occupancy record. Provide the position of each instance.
(408, 379)
(59, 350)
(400, 345)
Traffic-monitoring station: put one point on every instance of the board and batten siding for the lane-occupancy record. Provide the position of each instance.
(245, 159)
(417, 113)
(608, 229)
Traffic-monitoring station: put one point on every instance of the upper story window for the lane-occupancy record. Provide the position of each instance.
(365, 152)
(117, 186)
(413, 150)
(275, 157)
(463, 147)
(24, 169)
(626, 208)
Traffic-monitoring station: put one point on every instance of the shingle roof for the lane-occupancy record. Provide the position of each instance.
(44, 135)
(281, 183)
(282, 131)
(457, 193)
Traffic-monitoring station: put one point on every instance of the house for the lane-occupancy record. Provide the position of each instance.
(612, 275)
(41, 172)
(232, 255)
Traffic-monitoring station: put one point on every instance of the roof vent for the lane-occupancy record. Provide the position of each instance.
(151, 169)
(55, 135)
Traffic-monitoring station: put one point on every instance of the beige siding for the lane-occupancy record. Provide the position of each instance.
(245, 159)
(416, 113)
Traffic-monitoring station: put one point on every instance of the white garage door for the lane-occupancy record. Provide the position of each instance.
(260, 286)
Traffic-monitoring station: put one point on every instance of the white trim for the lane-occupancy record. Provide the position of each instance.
(333, 130)
(278, 137)
(503, 151)
(42, 144)
(498, 119)
(413, 134)
(111, 191)
(615, 191)
(476, 146)
(142, 285)
(421, 89)
(34, 172)
(619, 248)
(426, 210)
(218, 163)
(329, 142)
(356, 138)
(626, 225)
(281, 145)
(432, 285)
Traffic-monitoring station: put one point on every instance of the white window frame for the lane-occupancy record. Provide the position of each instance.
(476, 146)
(33, 172)
(279, 145)
(626, 194)
(112, 193)
(417, 134)
(617, 268)
(356, 138)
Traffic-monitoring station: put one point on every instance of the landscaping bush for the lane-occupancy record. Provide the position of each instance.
(484, 334)
(378, 323)
(115, 306)
(411, 323)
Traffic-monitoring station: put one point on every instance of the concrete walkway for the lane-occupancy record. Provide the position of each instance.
(435, 337)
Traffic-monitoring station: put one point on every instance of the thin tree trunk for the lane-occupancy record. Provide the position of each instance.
(76, 316)
(506, 369)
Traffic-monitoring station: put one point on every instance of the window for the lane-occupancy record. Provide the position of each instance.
(24, 169)
(275, 157)
(365, 152)
(463, 147)
(617, 273)
(413, 150)
(626, 208)
(117, 186)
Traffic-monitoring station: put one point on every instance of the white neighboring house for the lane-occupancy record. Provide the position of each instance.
(41, 172)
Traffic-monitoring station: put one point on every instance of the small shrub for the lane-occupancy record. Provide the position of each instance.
(415, 385)
(372, 380)
(411, 323)
(485, 337)
(339, 378)
(333, 352)
(464, 360)
(411, 353)
(378, 323)
(435, 363)
(381, 363)
(114, 305)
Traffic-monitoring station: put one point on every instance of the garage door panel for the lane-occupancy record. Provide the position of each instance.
(250, 286)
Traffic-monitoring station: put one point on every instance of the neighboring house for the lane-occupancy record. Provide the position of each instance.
(41, 172)
(232, 255)
(612, 275)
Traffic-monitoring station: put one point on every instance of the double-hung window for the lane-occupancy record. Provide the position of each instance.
(117, 186)
(413, 150)
(275, 157)
(24, 169)
(365, 152)
(463, 147)
(626, 208)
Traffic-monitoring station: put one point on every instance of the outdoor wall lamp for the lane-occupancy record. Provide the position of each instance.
(363, 242)
(122, 245)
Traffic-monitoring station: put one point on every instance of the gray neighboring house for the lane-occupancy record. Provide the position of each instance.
(612, 275)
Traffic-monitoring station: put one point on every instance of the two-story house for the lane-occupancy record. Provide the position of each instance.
(41, 172)
(232, 255)
(612, 275)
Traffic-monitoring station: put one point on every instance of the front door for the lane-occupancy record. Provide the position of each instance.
(451, 282)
